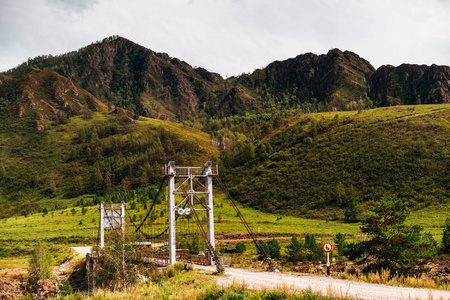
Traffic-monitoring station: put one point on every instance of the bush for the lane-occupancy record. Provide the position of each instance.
(119, 264)
(240, 247)
(171, 271)
(65, 288)
(40, 263)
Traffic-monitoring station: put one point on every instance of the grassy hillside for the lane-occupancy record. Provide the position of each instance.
(312, 164)
(79, 226)
(330, 163)
(95, 154)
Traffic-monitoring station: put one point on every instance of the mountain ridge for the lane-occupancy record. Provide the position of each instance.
(120, 72)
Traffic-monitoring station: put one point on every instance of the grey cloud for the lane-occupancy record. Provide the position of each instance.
(232, 36)
(78, 6)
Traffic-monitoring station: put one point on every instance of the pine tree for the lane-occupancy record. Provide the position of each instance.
(445, 246)
(294, 250)
(393, 244)
(274, 249)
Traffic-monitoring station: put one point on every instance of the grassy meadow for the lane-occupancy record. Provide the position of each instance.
(76, 226)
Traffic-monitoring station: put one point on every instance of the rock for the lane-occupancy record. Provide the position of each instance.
(353, 270)
(125, 114)
(46, 289)
(40, 125)
(445, 279)
(10, 289)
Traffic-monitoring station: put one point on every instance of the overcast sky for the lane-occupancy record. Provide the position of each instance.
(231, 37)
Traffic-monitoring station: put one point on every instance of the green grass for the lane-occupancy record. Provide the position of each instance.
(63, 228)
(319, 162)
(267, 224)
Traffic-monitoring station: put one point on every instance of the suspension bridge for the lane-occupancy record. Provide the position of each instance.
(184, 228)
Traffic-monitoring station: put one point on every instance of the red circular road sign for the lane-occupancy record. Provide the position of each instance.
(327, 247)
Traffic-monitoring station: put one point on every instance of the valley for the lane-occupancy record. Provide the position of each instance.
(323, 148)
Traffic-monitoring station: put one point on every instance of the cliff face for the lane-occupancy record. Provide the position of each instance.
(121, 73)
(410, 84)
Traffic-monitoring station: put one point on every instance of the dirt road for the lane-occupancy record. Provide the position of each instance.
(325, 285)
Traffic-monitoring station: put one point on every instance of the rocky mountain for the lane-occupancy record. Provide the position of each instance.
(410, 84)
(337, 80)
(121, 73)
(43, 97)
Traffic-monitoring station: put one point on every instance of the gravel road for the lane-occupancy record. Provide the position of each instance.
(321, 284)
(325, 285)
(83, 250)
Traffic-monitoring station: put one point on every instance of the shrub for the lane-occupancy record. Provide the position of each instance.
(65, 288)
(40, 263)
(240, 247)
(119, 264)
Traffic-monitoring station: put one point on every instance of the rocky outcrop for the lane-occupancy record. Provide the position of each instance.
(45, 96)
(410, 84)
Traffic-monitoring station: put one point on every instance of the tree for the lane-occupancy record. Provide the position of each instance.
(351, 213)
(97, 180)
(294, 250)
(445, 246)
(107, 182)
(265, 247)
(393, 244)
(339, 239)
(274, 249)
(311, 245)
(77, 186)
(2, 170)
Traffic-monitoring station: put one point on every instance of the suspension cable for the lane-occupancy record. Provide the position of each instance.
(246, 225)
(153, 205)
(176, 217)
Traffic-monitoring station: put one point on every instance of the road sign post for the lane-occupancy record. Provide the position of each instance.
(327, 247)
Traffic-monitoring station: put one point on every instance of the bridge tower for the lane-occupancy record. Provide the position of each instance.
(192, 181)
